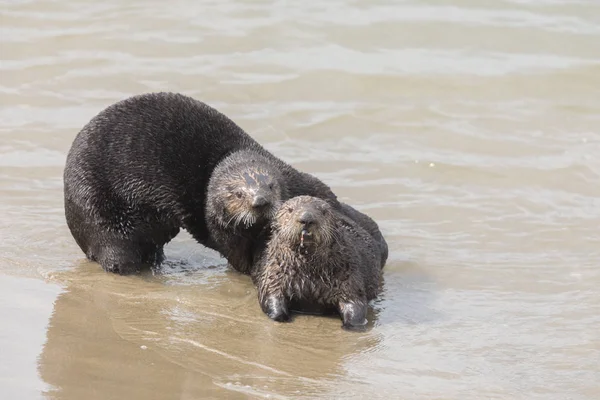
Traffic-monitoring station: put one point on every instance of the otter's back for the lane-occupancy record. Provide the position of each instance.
(370, 226)
(363, 249)
(156, 146)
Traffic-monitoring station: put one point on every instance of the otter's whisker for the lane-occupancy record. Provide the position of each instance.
(231, 219)
(248, 220)
(238, 219)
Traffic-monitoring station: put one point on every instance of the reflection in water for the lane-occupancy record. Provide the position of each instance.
(25, 305)
(129, 337)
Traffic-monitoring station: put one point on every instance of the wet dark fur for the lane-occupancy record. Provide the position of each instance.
(339, 265)
(243, 195)
(369, 225)
(138, 172)
(239, 224)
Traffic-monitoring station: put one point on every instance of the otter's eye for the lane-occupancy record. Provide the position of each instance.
(290, 209)
(270, 186)
(238, 195)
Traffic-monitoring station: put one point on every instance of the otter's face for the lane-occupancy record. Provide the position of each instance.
(305, 221)
(251, 196)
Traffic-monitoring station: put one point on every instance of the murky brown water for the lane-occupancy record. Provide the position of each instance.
(470, 130)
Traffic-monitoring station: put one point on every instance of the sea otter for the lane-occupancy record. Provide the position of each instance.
(138, 172)
(318, 257)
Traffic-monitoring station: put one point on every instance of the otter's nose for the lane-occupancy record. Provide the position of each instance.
(306, 218)
(259, 201)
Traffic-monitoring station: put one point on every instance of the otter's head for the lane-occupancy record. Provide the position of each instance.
(305, 222)
(245, 190)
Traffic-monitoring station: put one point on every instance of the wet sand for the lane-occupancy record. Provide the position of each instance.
(468, 130)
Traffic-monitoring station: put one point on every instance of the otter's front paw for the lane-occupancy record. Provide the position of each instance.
(276, 308)
(354, 315)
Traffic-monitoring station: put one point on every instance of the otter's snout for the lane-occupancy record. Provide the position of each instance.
(259, 201)
(307, 218)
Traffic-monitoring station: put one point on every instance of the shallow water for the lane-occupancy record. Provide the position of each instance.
(469, 130)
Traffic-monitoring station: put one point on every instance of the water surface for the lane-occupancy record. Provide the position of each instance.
(467, 129)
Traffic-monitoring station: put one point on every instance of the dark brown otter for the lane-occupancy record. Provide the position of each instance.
(243, 195)
(138, 172)
(317, 256)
